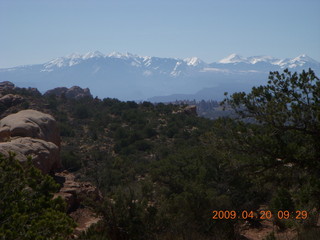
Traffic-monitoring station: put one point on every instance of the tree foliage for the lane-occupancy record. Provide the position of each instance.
(279, 133)
(164, 171)
(27, 207)
(289, 107)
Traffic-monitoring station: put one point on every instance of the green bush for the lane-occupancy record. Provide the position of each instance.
(70, 160)
(52, 102)
(26, 205)
(149, 132)
(282, 200)
(82, 111)
(143, 145)
(66, 130)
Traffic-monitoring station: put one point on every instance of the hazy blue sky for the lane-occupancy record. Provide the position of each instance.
(37, 31)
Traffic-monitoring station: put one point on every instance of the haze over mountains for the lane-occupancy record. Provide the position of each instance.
(132, 77)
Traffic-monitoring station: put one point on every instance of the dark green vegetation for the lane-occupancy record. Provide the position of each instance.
(163, 171)
(285, 142)
(209, 109)
(27, 210)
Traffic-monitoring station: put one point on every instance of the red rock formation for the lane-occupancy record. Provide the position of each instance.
(75, 193)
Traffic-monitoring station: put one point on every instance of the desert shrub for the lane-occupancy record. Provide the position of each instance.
(70, 160)
(66, 130)
(143, 145)
(82, 111)
(27, 208)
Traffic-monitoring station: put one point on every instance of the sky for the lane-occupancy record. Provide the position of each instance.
(37, 31)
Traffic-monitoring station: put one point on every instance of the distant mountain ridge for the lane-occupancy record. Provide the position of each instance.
(132, 77)
(150, 62)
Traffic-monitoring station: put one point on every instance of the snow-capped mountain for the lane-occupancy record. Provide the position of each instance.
(157, 65)
(300, 61)
(233, 58)
(132, 77)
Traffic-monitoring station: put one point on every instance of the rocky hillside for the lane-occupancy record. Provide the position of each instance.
(30, 133)
(162, 171)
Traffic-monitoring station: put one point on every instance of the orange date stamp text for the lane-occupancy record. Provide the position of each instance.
(262, 215)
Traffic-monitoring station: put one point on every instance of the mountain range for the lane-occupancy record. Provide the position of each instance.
(132, 77)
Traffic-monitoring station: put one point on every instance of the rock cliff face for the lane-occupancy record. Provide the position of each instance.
(32, 133)
(74, 92)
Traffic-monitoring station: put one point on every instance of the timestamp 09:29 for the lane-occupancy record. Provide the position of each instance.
(262, 215)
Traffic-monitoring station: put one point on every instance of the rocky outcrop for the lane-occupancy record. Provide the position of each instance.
(188, 110)
(32, 133)
(10, 100)
(30, 123)
(6, 85)
(85, 218)
(29, 91)
(75, 193)
(74, 92)
(45, 155)
(59, 91)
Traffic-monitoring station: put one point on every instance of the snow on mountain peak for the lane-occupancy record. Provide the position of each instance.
(180, 65)
(257, 59)
(233, 58)
(300, 61)
(95, 54)
(115, 55)
(130, 55)
(193, 61)
(303, 58)
(283, 63)
(121, 55)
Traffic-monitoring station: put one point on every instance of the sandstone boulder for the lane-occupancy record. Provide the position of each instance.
(45, 155)
(30, 123)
